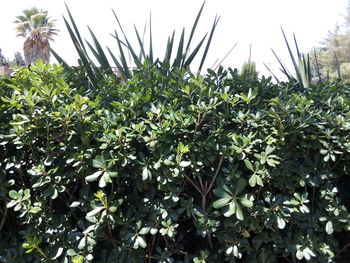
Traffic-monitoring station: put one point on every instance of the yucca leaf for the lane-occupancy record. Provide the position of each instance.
(122, 56)
(142, 50)
(292, 58)
(150, 54)
(309, 68)
(271, 73)
(179, 55)
(283, 68)
(82, 54)
(75, 28)
(169, 48)
(296, 46)
(228, 53)
(124, 74)
(216, 21)
(192, 33)
(101, 57)
(194, 52)
(130, 49)
(59, 59)
(96, 69)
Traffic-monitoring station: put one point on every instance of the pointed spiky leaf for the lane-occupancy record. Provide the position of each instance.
(216, 21)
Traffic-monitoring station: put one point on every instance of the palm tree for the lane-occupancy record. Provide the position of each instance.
(37, 28)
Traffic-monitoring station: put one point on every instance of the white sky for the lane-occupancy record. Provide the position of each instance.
(254, 22)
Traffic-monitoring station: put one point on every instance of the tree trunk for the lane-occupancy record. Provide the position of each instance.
(35, 48)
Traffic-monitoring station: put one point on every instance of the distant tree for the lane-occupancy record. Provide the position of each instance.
(38, 29)
(3, 60)
(18, 60)
(331, 60)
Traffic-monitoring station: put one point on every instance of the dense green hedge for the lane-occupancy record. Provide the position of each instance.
(176, 168)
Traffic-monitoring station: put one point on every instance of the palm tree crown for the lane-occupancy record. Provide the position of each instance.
(37, 28)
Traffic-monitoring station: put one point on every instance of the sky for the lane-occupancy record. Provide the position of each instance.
(248, 22)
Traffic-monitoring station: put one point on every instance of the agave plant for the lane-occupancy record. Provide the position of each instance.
(181, 58)
(301, 64)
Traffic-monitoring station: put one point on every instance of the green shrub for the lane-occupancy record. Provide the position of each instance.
(177, 168)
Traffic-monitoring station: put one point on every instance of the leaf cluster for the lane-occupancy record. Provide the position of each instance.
(173, 168)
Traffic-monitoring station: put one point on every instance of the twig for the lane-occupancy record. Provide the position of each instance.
(343, 249)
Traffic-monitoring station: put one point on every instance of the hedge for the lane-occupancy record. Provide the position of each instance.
(180, 167)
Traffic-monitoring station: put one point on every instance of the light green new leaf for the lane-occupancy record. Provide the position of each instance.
(221, 202)
(246, 202)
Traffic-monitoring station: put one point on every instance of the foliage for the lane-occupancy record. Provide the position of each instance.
(142, 55)
(173, 168)
(38, 29)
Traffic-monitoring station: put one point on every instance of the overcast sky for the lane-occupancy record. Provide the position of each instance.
(247, 22)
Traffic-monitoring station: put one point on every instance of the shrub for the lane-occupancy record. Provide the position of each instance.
(177, 168)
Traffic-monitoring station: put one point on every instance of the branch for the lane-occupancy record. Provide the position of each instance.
(216, 174)
(195, 186)
(343, 249)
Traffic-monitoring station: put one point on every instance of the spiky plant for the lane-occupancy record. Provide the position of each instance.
(141, 57)
(38, 29)
(301, 64)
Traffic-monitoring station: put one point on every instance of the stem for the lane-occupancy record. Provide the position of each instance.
(152, 247)
(2, 223)
(42, 253)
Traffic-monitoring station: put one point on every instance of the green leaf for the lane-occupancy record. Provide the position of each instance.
(99, 162)
(102, 182)
(219, 192)
(144, 230)
(185, 163)
(74, 204)
(221, 202)
(26, 194)
(253, 180)
(35, 210)
(239, 212)
(246, 202)
(71, 252)
(145, 174)
(93, 177)
(281, 223)
(259, 181)
(95, 211)
(299, 254)
(329, 228)
(58, 253)
(139, 241)
(249, 165)
(82, 243)
(232, 207)
(240, 185)
(14, 194)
